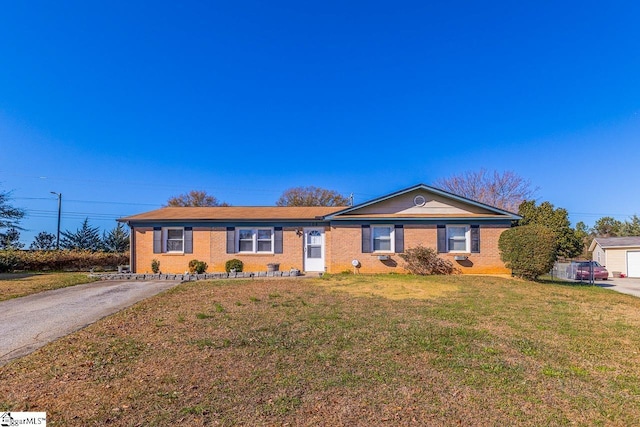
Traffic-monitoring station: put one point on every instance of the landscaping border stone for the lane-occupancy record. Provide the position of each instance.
(193, 277)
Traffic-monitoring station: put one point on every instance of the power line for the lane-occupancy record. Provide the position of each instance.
(90, 201)
(141, 184)
(43, 214)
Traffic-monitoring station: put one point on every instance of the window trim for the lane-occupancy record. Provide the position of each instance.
(165, 240)
(392, 238)
(254, 240)
(467, 238)
(253, 243)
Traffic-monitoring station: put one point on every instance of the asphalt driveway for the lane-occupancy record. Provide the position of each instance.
(30, 322)
(625, 285)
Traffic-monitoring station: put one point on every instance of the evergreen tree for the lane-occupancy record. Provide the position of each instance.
(529, 251)
(607, 227)
(43, 242)
(85, 238)
(584, 234)
(116, 240)
(11, 239)
(631, 228)
(569, 243)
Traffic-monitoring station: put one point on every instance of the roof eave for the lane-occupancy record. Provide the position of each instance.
(220, 220)
(430, 219)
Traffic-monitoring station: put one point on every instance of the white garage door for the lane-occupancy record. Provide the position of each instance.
(633, 264)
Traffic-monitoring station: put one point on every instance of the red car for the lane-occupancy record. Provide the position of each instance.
(582, 270)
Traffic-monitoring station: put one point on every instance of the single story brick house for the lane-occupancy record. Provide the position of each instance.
(620, 254)
(369, 236)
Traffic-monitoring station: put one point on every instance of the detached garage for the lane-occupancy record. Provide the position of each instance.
(619, 254)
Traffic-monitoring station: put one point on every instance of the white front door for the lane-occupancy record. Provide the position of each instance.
(314, 249)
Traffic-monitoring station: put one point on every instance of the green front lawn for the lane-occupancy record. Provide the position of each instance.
(346, 350)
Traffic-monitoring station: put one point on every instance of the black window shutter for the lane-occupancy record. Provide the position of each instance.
(475, 239)
(188, 240)
(366, 239)
(231, 240)
(442, 238)
(399, 239)
(277, 240)
(157, 240)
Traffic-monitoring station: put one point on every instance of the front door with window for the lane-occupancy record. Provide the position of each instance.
(314, 249)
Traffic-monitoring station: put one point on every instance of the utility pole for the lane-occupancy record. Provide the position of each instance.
(59, 211)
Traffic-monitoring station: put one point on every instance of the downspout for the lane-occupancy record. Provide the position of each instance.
(132, 246)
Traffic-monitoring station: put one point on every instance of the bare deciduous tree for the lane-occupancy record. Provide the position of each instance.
(311, 196)
(195, 198)
(505, 190)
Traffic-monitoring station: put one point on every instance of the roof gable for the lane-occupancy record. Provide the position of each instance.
(616, 242)
(422, 201)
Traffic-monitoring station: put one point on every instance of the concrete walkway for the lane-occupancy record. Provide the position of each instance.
(625, 285)
(30, 322)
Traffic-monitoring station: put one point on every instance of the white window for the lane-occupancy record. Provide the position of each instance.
(265, 239)
(245, 240)
(174, 240)
(382, 238)
(255, 240)
(458, 238)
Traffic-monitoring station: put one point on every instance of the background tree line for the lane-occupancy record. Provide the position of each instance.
(85, 238)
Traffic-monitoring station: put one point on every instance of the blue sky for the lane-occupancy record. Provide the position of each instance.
(120, 105)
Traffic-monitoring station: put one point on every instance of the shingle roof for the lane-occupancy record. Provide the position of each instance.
(227, 213)
(614, 242)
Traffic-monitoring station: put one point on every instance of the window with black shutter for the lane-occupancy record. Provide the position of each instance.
(366, 239)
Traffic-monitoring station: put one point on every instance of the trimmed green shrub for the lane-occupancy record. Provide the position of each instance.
(234, 264)
(529, 250)
(425, 261)
(197, 267)
(155, 266)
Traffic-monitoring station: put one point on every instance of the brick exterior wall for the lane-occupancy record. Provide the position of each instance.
(346, 245)
(342, 245)
(210, 246)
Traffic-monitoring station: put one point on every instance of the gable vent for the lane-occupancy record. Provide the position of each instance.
(419, 200)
